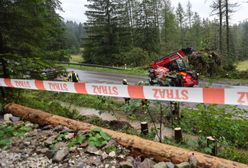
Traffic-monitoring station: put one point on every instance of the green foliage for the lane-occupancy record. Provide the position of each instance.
(7, 131)
(42, 100)
(112, 148)
(98, 138)
(217, 121)
(137, 57)
(31, 35)
(232, 153)
(78, 140)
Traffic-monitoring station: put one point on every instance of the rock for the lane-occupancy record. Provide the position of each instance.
(15, 119)
(126, 164)
(69, 136)
(93, 150)
(130, 159)
(121, 156)
(47, 127)
(169, 165)
(50, 153)
(147, 163)
(183, 165)
(112, 154)
(60, 145)
(84, 145)
(7, 117)
(61, 154)
(73, 149)
(94, 160)
(80, 164)
(29, 124)
(222, 166)
(110, 143)
(58, 128)
(42, 150)
(49, 141)
(104, 155)
(192, 161)
(26, 143)
(160, 165)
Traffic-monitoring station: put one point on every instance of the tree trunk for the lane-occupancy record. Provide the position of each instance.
(158, 151)
(220, 26)
(227, 28)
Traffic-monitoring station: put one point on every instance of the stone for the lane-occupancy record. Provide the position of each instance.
(130, 159)
(7, 117)
(61, 154)
(94, 160)
(42, 150)
(110, 143)
(47, 127)
(58, 128)
(160, 165)
(50, 154)
(147, 163)
(121, 156)
(84, 145)
(126, 164)
(183, 165)
(104, 155)
(80, 164)
(15, 119)
(169, 165)
(29, 124)
(112, 154)
(49, 141)
(69, 136)
(60, 145)
(73, 149)
(93, 150)
(192, 161)
(222, 166)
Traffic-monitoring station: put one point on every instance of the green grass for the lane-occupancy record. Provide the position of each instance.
(76, 58)
(242, 66)
(141, 71)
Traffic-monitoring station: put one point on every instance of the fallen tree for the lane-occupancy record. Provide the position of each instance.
(158, 151)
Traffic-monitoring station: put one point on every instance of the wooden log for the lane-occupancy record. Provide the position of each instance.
(160, 152)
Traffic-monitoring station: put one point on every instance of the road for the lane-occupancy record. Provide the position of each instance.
(116, 78)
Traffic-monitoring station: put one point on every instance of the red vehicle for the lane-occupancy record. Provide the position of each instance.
(171, 70)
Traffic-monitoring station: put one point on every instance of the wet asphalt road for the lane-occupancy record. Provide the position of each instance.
(106, 77)
(116, 78)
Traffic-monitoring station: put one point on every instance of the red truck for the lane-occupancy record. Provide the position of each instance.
(171, 70)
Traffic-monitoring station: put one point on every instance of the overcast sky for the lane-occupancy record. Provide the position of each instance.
(74, 9)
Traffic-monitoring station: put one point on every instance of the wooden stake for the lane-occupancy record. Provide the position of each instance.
(144, 128)
(211, 141)
(178, 135)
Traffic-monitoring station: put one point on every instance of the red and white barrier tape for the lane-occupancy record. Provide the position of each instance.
(232, 96)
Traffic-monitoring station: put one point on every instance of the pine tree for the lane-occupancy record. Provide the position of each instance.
(169, 31)
(108, 31)
(189, 14)
(181, 19)
(218, 9)
(30, 32)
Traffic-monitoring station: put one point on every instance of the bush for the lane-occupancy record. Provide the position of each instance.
(217, 121)
(136, 57)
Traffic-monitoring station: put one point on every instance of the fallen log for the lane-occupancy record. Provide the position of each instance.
(158, 151)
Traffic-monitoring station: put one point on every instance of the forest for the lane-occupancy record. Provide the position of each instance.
(116, 32)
